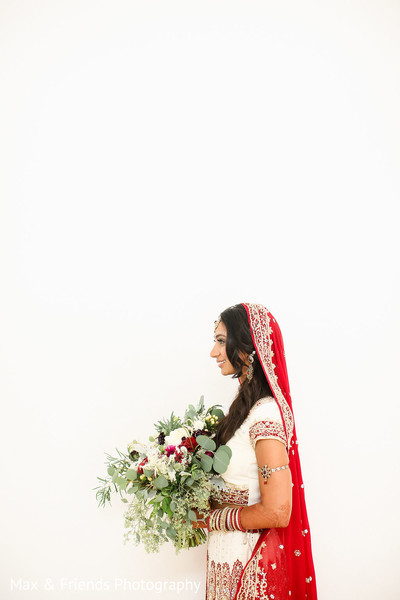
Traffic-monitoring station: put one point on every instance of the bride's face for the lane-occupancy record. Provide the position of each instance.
(219, 350)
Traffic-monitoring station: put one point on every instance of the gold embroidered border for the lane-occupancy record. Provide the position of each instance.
(261, 329)
(254, 582)
(264, 430)
(234, 496)
(222, 582)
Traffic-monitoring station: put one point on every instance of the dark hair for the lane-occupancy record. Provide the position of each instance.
(239, 341)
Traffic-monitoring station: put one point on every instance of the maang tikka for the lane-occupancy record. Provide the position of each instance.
(217, 322)
(250, 370)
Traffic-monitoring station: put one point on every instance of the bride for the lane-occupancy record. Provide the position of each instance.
(259, 543)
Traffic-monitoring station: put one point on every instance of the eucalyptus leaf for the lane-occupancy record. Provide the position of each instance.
(206, 442)
(121, 482)
(111, 470)
(216, 412)
(206, 463)
(189, 481)
(222, 457)
(131, 474)
(160, 482)
(220, 462)
(200, 405)
(171, 533)
(172, 505)
(124, 500)
(225, 449)
(192, 515)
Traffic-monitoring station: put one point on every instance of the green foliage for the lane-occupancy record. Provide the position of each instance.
(160, 482)
(216, 412)
(131, 474)
(206, 442)
(168, 424)
(161, 500)
(117, 466)
(206, 463)
(122, 483)
(221, 461)
(191, 413)
(226, 449)
(171, 533)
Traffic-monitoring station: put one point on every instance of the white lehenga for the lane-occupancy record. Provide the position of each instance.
(228, 553)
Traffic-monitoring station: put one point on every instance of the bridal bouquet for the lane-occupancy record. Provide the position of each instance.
(165, 479)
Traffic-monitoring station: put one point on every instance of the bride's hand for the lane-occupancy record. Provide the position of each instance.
(200, 523)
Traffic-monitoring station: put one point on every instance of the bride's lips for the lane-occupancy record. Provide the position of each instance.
(220, 363)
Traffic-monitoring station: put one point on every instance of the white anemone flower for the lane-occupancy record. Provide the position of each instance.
(175, 437)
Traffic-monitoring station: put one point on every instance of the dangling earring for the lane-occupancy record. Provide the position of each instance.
(250, 370)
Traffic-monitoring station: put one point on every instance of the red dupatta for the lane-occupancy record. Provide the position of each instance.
(281, 566)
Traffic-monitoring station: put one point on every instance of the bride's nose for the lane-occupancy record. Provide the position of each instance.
(214, 352)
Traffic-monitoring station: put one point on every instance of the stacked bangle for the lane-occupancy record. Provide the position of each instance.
(225, 519)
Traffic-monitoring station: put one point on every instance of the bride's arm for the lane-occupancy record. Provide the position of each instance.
(275, 507)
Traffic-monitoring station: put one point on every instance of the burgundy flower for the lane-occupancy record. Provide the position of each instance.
(201, 432)
(178, 456)
(170, 449)
(141, 465)
(209, 453)
(189, 443)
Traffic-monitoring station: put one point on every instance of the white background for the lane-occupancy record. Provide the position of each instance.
(162, 161)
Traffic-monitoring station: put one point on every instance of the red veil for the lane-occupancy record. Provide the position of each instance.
(281, 566)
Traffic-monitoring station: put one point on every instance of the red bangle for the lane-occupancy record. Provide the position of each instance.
(238, 518)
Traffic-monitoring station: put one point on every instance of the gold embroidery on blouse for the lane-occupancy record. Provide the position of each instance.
(264, 430)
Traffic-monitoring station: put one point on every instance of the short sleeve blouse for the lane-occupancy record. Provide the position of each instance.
(263, 422)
